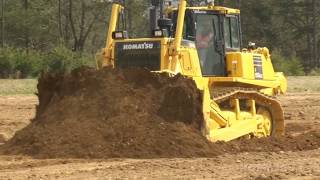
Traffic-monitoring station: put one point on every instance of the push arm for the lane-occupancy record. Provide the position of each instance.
(116, 9)
(179, 29)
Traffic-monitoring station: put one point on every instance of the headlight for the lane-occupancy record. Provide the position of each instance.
(160, 33)
(119, 35)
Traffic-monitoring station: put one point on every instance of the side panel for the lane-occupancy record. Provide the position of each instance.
(249, 66)
(240, 65)
(258, 67)
(268, 69)
(189, 62)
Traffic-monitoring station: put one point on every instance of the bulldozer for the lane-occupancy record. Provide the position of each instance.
(204, 43)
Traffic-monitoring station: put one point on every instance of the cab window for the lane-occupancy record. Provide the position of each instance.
(227, 34)
(188, 27)
(232, 33)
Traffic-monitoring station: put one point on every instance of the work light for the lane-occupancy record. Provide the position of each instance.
(160, 33)
(119, 35)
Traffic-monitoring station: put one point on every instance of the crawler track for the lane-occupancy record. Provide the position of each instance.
(223, 94)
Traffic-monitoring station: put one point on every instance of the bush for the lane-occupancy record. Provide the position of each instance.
(17, 63)
(25, 63)
(61, 60)
(314, 72)
(290, 66)
(6, 65)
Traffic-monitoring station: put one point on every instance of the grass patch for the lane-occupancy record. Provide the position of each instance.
(304, 84)
(29, 86)
(18, 87)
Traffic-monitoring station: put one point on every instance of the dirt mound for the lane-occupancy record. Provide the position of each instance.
(130, 113)
(3, 138)
(302, 142)
(112, 113)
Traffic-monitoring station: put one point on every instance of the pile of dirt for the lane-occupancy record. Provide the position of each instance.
(2, 138)
(113, 113)
(127, 113)
(302, 142)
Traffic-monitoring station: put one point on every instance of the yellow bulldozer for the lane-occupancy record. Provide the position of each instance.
(204, 43)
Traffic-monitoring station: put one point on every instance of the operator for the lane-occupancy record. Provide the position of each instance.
(203, 40)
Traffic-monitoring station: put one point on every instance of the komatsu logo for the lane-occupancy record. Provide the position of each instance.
(138, 46)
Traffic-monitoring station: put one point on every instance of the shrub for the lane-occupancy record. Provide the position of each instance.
(23, 67)
(61, 60)
(290, 66)
(315, 72)
(6, 65)
(17, 63)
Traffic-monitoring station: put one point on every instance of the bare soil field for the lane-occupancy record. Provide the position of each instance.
(302, 112)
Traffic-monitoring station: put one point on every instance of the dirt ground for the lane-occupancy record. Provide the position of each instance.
(302, 112)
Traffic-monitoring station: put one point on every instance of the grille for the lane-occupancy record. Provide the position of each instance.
(138, 54)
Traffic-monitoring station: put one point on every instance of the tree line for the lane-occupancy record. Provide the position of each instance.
(43, 34)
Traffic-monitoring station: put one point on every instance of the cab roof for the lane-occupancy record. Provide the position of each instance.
(220, 9)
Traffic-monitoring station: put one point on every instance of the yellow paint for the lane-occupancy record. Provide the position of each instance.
(252, 104)
(264, 129)
(220, 124)
(116, 9)
(222, 10)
